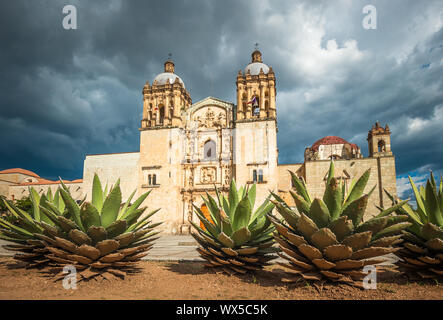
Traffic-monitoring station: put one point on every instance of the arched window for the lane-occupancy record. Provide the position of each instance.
(260, 175)
(381, 146)
(162, 114)
(267, 108)
(255, 106)
(209, 150)
(254, 175)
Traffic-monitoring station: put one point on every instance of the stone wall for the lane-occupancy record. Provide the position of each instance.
(109, 168)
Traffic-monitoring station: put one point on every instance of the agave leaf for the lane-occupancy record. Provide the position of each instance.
(430, 231)
(111, 206)
(358, 188)
(97, 193)
(212, 229)
(132, 218)
(44, 200)
(49, 195)
(290, 216)
(302, 205)
(17, 212)
(72, 207)
(35, 198)
(233, 199)
(116, 228)
(341, 227)
(396, 219)
(125, 206)
(391, 230)
(225, 240)
(333, 197)
(375, 225)
(143, 220)
(330, 173)
(319, 213)
(90, 215)
(50, 215)
(356, 209)
(242, 214)
(135, 205)
(252, 194)
(300, 187)
(263, 210)
(58, 201)
(306, 226)
(97, 234)
(241, 236)
(15, 228)
(225, 226)
(262, 225)
(420, 205)
(392, 209)
(213, 209)
(226, 207)
(432, 205)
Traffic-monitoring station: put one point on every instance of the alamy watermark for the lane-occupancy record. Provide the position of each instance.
(70, 280)
(70, 20)
(370, 20)
(370, 281)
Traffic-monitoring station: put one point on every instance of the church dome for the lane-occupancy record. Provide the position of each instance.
(167, 78)
(256, 64)
(330, 140)
(254, 68)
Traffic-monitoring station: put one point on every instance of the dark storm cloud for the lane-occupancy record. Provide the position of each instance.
(68, 93)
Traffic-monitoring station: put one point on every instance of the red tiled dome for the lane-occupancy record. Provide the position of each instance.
(328, 140)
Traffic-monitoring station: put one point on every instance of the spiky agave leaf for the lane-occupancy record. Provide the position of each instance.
(102, 238)
(422, 250)
(28, 248)
(236, 239)
(328, 239)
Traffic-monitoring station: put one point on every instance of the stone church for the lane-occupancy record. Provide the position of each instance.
(186, 148)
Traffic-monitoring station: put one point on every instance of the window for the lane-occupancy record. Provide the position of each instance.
(149, 180)
(260, 175)
(209, 150)
(254, 175)
(381, 146)
(154, 179)
(162, 114)
(255, 106)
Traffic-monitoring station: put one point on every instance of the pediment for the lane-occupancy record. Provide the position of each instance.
(210, 113)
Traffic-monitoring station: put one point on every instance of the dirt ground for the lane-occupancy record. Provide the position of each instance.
(191, 281)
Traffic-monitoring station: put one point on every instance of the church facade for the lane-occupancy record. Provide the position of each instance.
(187, 149)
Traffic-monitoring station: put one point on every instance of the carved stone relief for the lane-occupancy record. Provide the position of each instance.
(208, 174)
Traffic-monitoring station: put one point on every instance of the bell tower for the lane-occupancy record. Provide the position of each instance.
(379, 141)
(256, 90)
(164, 100)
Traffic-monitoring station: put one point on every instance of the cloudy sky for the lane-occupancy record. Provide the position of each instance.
(68, 93)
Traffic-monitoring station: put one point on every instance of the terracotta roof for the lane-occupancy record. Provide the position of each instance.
(22, 171)
(328, 140)
(45, 181)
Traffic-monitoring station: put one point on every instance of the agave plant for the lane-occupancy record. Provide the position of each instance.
(327, 239)
(31, 251)
(239, 239)
(101, 237)
(422, 249)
